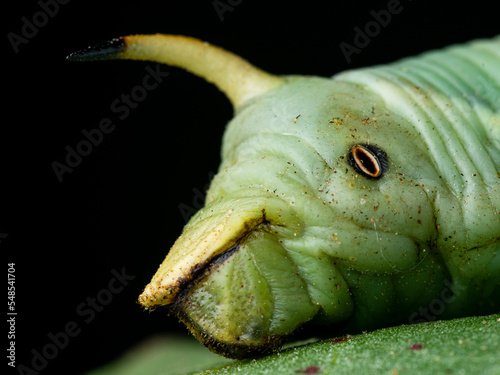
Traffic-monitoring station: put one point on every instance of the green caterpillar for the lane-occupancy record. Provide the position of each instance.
(352, 202)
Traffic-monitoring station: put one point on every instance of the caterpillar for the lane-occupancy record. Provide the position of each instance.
(345, 203)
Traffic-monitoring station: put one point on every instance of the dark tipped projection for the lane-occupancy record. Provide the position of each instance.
(234, 76)
(103, 51)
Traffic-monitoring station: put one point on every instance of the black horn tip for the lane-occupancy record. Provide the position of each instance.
(102, 51)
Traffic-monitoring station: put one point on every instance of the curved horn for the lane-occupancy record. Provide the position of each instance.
(235, 77)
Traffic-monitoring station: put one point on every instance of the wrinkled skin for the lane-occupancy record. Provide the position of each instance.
(346, 248)
(327, 245)
(296, 233)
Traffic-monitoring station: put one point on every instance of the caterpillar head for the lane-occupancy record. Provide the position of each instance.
(316, 196)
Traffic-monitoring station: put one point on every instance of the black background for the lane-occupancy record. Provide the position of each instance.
(120, 207)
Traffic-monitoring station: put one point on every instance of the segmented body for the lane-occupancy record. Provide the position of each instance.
(437, 116)
(452, 98)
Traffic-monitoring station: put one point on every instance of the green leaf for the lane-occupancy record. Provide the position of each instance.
(461, 346)
(163, 355)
